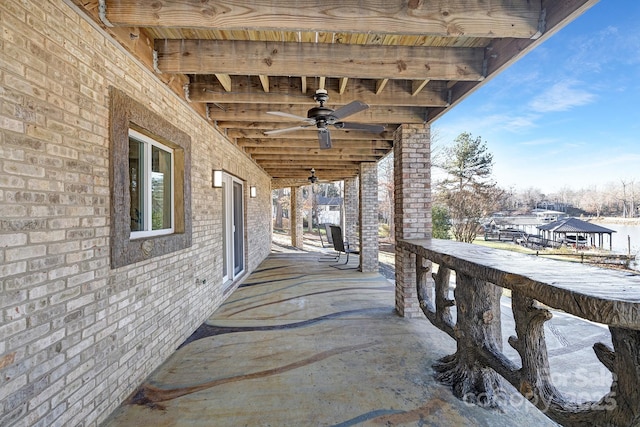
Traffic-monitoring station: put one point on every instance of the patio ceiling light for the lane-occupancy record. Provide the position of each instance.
(313, 178)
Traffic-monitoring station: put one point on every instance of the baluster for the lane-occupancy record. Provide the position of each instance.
(535, 375)
(443, 302)
(621, 406)
(478, 327)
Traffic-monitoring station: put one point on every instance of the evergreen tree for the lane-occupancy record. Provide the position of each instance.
(468, 191)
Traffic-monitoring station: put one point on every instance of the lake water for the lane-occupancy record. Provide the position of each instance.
(621, 237)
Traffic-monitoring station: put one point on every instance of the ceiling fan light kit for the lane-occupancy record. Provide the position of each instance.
(313, 178)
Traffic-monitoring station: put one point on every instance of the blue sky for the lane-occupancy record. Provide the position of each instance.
(568, 113)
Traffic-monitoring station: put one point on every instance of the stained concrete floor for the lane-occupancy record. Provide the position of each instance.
(301, 343)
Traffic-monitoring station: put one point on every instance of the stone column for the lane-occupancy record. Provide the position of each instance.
(351, 211)
(412, 193)
(369, 217)
(295, 220)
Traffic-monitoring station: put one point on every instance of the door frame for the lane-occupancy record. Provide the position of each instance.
(233, 221)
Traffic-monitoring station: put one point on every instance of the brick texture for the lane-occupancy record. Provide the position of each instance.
(412, 180)
(76, 336)
(351, 212)
(369, 217)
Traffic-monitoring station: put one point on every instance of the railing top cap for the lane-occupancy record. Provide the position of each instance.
(601, 295)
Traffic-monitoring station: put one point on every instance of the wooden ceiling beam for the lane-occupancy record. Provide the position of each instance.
(303, 180)
(258, 113)
(328, 60)
(299, 182)
(304, 173)
(284, 90)
(296, 166)
(321, 159)
(236, 129)
(471, 18)
(502, 53)
(313, 143)
(314, 151)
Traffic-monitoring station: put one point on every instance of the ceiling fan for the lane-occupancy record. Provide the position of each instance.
(321, 117)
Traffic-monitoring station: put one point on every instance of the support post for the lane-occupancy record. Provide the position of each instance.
(351, 210)
(412, 198)
(368, 217)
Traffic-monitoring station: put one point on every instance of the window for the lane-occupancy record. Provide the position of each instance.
(150, 183)
(150, 186)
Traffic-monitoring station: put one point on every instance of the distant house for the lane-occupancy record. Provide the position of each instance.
(329, 209)
(546, 215)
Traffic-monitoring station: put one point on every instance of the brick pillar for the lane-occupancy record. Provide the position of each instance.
(296, 217)
(368, 217)
(350, 210)
(412, 192)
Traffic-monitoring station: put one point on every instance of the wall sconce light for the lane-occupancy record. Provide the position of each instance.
(253, 191)
(217, 178)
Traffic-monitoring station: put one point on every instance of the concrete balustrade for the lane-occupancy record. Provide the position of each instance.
(478, 367)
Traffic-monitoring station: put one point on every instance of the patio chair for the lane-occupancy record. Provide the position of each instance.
(340, 245)
(326, 226)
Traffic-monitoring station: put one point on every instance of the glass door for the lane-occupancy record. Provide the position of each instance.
(232, 228)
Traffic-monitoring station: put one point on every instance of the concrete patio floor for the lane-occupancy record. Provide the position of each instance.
(301, 343)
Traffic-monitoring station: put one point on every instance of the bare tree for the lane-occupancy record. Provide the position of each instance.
(386, 193)
(281, 202)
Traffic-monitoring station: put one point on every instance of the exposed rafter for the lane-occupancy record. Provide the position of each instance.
(410, 61)
(246, 90)
(375, 114)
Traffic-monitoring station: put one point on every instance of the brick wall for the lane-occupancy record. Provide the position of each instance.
(412, 181)
(369, 217)
(351, 212)
(77, 337)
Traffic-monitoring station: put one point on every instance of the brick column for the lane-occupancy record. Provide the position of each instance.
(295, 220)
(369, 217)
(350, 210)
(412, 192)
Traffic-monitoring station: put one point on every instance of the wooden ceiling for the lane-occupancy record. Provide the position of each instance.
(409, 60)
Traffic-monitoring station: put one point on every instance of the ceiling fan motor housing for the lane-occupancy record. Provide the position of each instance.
(319, 113)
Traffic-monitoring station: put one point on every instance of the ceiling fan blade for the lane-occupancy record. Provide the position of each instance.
(291, 116)
(279, 131)
(324, 138)
(360, 126)
(349, 109)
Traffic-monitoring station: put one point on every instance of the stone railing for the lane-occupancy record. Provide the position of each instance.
(476, 370)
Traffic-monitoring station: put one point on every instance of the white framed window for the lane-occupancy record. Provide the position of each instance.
(151, 186)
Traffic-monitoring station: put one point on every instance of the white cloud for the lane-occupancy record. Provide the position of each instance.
(562, 96)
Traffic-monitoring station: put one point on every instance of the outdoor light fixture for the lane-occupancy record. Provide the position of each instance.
(313, 178)
(253, 191)
(217, 178)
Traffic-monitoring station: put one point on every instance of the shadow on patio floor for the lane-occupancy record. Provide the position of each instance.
(304, 344)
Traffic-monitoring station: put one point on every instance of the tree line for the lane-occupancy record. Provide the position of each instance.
(467, 195)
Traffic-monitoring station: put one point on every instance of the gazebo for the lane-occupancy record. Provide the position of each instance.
(569, 228)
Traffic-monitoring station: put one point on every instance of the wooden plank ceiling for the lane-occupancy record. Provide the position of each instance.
(408, 60)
